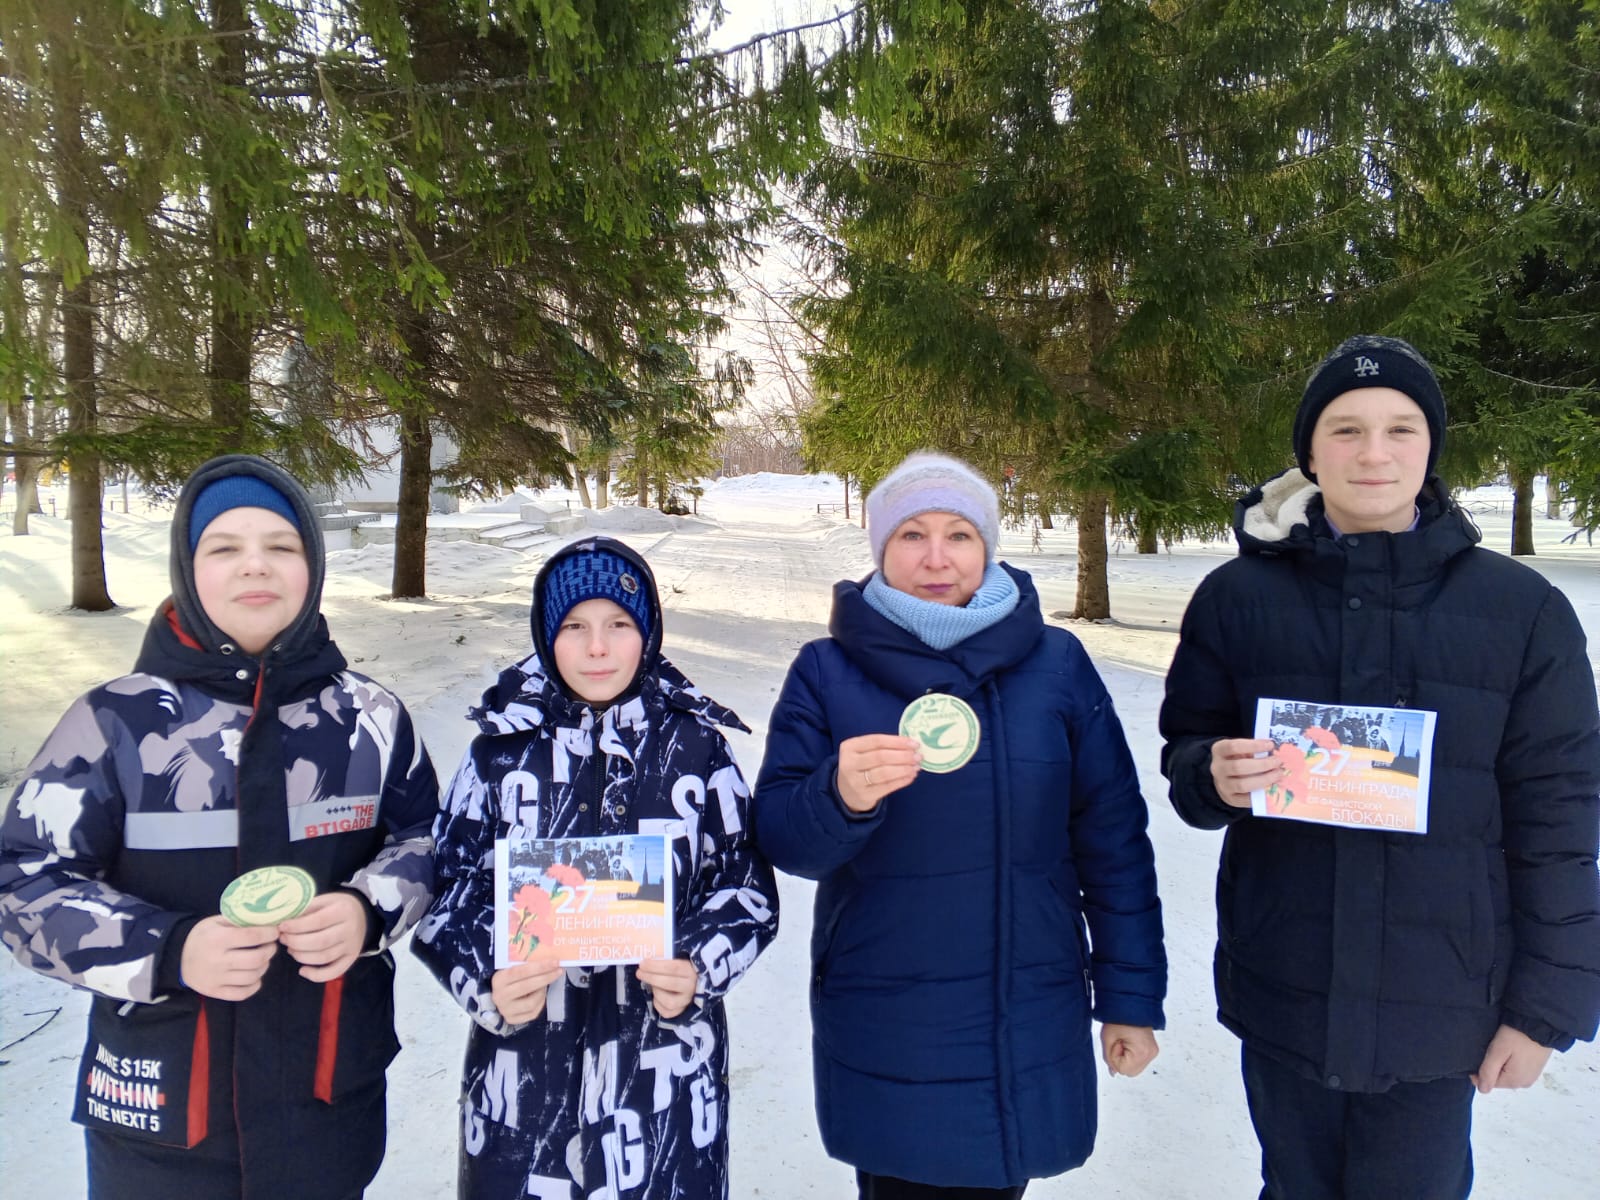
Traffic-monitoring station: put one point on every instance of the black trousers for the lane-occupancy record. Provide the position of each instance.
(887, 1187)
(125, 1169)
(1412, 1141)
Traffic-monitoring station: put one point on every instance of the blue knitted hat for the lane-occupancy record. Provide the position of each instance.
(236, 491)
(594, 575)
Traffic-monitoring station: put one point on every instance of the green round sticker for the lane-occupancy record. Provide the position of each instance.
(945, 727)
(268, 895)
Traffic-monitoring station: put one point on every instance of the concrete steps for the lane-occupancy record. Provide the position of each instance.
(338, 524)
(334, 515)
(527, 531)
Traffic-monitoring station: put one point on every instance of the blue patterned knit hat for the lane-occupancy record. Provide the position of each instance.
(595, 574)
(236, 491)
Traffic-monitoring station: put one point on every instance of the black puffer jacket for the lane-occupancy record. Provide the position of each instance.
(1360, 957)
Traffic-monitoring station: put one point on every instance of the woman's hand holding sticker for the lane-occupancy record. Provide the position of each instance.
(873, 765)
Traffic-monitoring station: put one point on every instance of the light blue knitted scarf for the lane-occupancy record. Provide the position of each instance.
(943, 625)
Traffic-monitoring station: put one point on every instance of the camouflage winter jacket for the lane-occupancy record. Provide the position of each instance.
(126, 821)
(124, 832)
(158, 788)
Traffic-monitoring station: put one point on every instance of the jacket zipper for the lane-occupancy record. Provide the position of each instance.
(599, 769)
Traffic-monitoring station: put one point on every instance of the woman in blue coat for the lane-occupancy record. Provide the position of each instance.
(953, 979)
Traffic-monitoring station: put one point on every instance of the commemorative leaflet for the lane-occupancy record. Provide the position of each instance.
(1363, 767)
(590, 901)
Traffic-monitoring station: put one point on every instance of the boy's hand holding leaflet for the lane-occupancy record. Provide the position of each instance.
(672, 983)
(1240, 766)
(519, 992)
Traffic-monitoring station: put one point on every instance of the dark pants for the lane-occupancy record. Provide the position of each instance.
(126, 1169)
(1412, 1141)
(886, 1187)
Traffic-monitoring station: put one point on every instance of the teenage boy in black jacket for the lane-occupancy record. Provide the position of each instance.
(1376, 977)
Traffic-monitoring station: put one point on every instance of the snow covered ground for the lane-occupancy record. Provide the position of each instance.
(744, 585)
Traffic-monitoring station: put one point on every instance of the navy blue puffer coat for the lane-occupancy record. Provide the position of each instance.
(953, 978)
(1360, 958)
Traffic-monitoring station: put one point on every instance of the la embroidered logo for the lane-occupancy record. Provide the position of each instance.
(1365, 366)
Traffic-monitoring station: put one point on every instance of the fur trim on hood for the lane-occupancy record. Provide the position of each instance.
(1281, 504)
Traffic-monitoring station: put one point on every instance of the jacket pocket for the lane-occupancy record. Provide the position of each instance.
(1072, 915)
(146, 1070)
(355, 1031)
(1440, 932)
(825, 932)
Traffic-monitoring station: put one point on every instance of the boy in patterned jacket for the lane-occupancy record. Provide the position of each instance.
(587, 1081)
(227, 1059)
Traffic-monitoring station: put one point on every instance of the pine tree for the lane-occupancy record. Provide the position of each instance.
(1534, 398)
(996, 248)
(161, 278)
(1112, 237)
(564, 177)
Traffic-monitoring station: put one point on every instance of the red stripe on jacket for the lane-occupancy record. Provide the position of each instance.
(328, 1039)
(200, 1079)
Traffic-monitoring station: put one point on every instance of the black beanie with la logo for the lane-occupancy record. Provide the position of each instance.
(1370, 361)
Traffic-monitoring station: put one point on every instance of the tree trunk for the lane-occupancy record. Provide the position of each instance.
(433, 60)
(641, 485)
(229, 373)
(602, 484)
(410, 579)
(14, 330)
(1552, 497)
(1045, 521)
(1521, 511)
(1147, 537)
(1094, 590)
(569, 439)
(27, 486)
(847, 497)
(89, 591)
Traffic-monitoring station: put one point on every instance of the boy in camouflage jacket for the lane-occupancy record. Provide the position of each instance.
(224, 1058)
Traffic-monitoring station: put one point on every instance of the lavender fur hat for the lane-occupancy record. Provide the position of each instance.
(927, 482)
